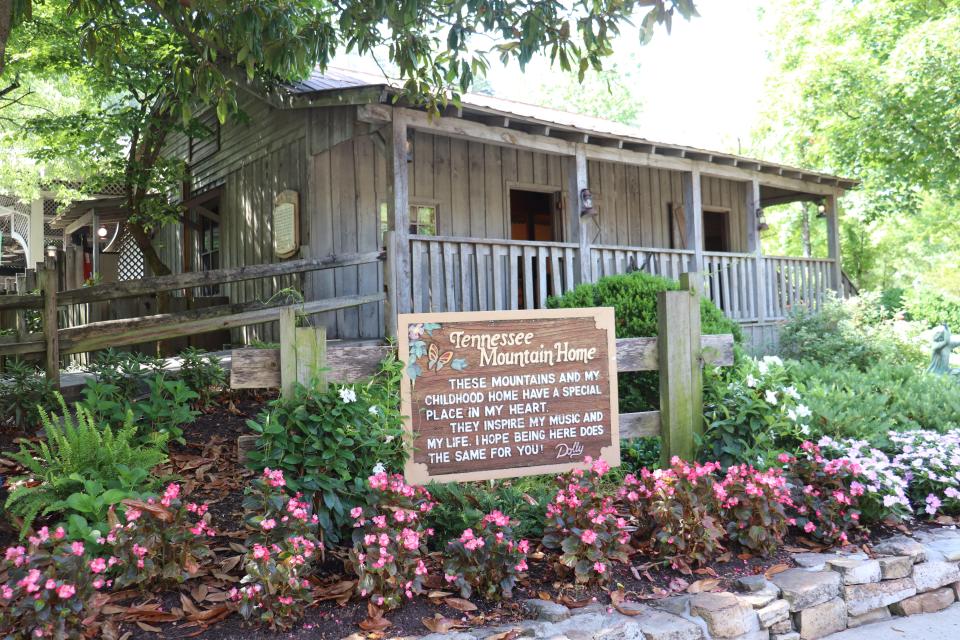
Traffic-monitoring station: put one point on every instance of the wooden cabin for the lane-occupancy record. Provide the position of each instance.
(492, 205)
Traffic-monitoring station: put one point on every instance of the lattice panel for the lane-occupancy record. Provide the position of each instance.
(130, 262)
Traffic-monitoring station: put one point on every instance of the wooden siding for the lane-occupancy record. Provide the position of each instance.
(339, 168)
(347, 184)
(469, 182)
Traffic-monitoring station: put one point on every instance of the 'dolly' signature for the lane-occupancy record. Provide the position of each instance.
(565, 450)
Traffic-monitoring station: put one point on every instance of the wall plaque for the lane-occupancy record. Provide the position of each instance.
(286, 224)
(508, 393)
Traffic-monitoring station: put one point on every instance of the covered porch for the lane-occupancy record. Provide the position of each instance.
(653, 223)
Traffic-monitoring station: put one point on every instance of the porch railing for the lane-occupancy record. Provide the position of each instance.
(471, 274)
(474, 274)
(609, 260)
(792, 283)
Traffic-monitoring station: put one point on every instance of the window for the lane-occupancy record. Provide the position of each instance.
(423, 219)
(208, 250)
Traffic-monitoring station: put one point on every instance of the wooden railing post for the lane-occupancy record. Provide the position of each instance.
(681, 381)
(390, 284)
(48, 285)
(303, 353)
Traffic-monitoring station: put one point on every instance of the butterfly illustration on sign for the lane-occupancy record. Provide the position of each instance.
(422, 346)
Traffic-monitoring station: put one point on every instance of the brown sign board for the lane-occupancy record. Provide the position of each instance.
(503, 394)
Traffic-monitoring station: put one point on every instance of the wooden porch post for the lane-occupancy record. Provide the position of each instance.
(693, 207)
(833, 243)
(755, 247)
(51, 336)
(35, 239)
(577, 181)
(400, 215)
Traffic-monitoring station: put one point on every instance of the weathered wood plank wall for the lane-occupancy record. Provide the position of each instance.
(339, 168)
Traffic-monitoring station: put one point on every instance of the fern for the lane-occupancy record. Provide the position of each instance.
(76, 450)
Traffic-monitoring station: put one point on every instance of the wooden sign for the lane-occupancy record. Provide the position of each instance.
(508, 393)
(286, 224)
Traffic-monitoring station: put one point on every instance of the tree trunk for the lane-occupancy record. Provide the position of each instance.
(150, 255)
(6, 20)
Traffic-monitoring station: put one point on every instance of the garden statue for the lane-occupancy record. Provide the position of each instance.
(942, 344)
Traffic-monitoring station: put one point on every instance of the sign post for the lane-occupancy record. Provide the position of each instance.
(508, 393)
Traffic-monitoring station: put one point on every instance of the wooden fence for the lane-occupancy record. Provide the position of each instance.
(54, 342)
(678, 354)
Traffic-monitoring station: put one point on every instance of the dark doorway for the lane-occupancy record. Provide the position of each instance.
(532, 216)
(532, 219)
(716, 230)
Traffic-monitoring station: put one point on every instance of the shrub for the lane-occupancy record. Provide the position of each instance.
(885, 493)
(162, 541)
(677, 512)
(930, 463)
(634, 297)
(753, 505)
(640, 453)
(73, 454)
(49, 588)
(327, 441)
(826, 495)
(849, 333)
(389, 541)
(754, 415)
(165, 408)
(460, 505)
(203, 374)
(847, 403)
(127, 371)
(23, 392)
(931, 307)
(584, 525)
(487, 561)
(284, 547)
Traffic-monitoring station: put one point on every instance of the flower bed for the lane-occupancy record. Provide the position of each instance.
(314, 549)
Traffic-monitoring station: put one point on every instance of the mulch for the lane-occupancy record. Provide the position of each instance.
(208, 466)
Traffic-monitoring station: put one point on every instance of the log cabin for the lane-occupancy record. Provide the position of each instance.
(492, 204)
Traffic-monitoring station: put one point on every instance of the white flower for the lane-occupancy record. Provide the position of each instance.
(771, 396)
(388, 439)
(348, 395)
(792, 415)
(763, 367)
(751, 381)
(379, 468)
(374, 410)
(803, 411)
(805, 429)
(792, 392)
(773, 360)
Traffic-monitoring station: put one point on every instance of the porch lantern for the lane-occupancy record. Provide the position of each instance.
(761, 220)
(586, 203)
(821, 210)
(51, 251)
(102, 232)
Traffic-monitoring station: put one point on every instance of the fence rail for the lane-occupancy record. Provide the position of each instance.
(54, 341)
(670, 263)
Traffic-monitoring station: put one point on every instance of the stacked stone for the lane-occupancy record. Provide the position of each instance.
(825, 594)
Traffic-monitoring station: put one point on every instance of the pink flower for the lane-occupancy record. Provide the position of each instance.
(809, 527)
(589, 536)
(171, 493)
(599, 567)
(268, 524)
(356, 512)
(783, 458)
(76, 548)
(98, 565)
(260, 552)
(66, 591)
(274, 477)
(933, 503)
(133, 514)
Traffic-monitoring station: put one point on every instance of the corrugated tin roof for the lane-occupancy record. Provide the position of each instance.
(336, 79)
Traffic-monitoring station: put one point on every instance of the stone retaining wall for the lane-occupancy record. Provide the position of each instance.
(825, 594)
